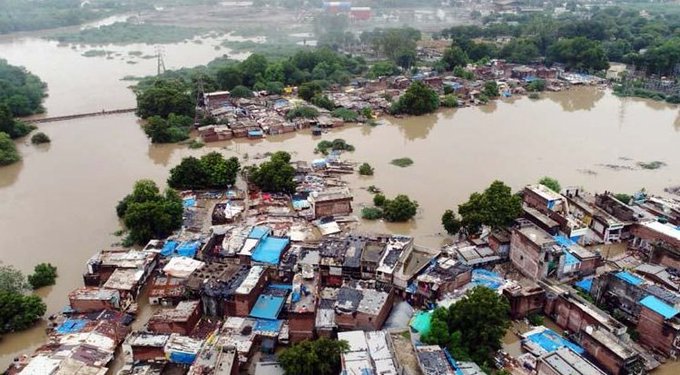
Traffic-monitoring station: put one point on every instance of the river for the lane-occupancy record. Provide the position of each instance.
(58, 203)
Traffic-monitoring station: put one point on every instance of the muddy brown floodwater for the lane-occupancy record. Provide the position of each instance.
(57, 205)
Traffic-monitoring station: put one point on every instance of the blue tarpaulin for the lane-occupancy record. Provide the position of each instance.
(168, 248)
(259, 232)
(569, 258)
(550, 341)
(491, 280)
(585, 284)
(188, 249)
(660, 307)
(563, 240)
(267, 307)
(269, 250)
(71, 326)
(268, 325)
(189, 202)
(182, 358)
(629, 278)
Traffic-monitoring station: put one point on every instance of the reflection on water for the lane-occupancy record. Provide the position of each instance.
(489, 107)
(578, 99)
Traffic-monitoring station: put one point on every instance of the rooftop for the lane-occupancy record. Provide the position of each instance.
(125, 279)
(665, 229)
(659, 307)
(267, 307)
(182, 267)
(180, 313)
(536, 235)
(251, 280)
(565, 361)
(147, 339)
(434, 361)
(545, 192)
(94, 293)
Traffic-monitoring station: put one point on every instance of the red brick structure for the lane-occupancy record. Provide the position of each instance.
(247, 293)
(524, 298)
(609, 352)
(91, 299)
(659, 331)
(181, 319)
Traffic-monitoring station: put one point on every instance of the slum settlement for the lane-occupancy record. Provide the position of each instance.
(250, 273)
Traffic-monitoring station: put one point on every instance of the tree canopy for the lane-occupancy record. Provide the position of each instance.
(418, 99)
(473, 327)
(451, 223)
(163, 97)
(17, 310)
(8, 150)
(550, 183)
(211, 171)
(148, 214)
(318, 357)
(495, 207)
(20, 90)
(44, 274)
(399, 209)
(275, 175)
(175, 128)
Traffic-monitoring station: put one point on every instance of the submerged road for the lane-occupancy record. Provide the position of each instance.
(79, 115)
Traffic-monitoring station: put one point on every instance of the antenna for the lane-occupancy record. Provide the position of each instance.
(160, 53)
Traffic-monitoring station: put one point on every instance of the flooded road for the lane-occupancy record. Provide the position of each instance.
(57, 205)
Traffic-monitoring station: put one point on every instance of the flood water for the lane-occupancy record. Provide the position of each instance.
(57, 205)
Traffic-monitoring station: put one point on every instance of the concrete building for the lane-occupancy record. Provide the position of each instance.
(91, 299)
(362, 307)
(565, 361)
(180, 319)
(660, 241)
(443, 276)
(525, 297)
(146, 347)
(610, 352)
(369, 353)
(659, 326)
(332, 202)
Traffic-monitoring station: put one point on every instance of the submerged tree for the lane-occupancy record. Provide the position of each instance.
(418, 99)
(44, 274)
(8, 150)
(496, 207)
(275, 175)
(17, 310)
(550, 183)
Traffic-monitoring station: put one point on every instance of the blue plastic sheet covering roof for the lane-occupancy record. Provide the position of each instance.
(629, 278)
(550, 341)
(585, 284)
(189, 202)
(563, 240)
(268, 325)
(319, 163)
(182, 358)
(267, 307)
(453, 362)
(569, 258)
(660, 307)
(188, 249)
(168, 248)
(269, 250)
(72, 326)
(491, 280)
(422, 321)
(259, 232)
(301, 204)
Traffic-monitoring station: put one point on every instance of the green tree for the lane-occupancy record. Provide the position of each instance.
(253, 69)
(490, 89)
(520, 51)
(229, 77)
(365, 169)
(418, 99)
(308, 90)
(303, 112)
(8, 150)
(318, 357)
(40, 138)
(147, 214)
(322, 101)
(241, 92)
(400, 209)
(473, 327)
(451, 223)
(345, 114)
(383, 69)
(44, 274)
(220, 172)
(625, 198)
(189, 174)
(496, 207)
(173, 129)
(578, 53)
(379, 200)
(453, 57)
(275, 175)
(536, 85)
(163, 97)
(19, 312)
(371, 213)
(12, 280)
(550, 183)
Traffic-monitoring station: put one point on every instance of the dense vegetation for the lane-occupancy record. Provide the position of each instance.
(40, 138)
(365, 169)
(311, 70)
(18, 311)
(8, 150)
(399, 209)
(418, 99)
(337, 144)
(125, 33)
(623, 34)
(318, 357)
(44, 274)
(173, 129)
(551, 184)
(211, 171)
(275, 175)
(148, 214)
(473, 327)
(20, 90)
(495, 207)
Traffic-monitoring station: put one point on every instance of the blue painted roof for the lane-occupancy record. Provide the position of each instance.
(258, 232)
(569, 258)
(267, 307)
(489, 279)
(585, 284)
(660, 307)
(269, 250)
(563, 240)
(72, 326)
(550, 341)
(629, 278)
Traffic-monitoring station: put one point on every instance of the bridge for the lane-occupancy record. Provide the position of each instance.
(80, 115)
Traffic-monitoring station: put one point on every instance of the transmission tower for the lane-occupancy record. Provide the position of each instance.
(160, 63)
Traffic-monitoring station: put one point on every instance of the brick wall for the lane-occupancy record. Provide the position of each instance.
(655, 332)
(524, 255)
